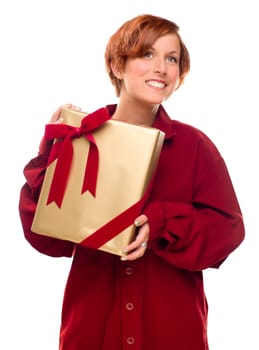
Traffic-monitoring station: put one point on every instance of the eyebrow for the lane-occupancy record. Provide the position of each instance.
(170, 52)
(173, 52)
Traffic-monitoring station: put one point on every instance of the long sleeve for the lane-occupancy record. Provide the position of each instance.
(201, 228)
(34, 173)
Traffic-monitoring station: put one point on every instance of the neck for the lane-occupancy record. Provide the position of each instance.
(140, 115)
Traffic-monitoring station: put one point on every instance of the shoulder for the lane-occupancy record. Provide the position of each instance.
(177, 128)
(196, 138)
(184, 135)
(189, 130)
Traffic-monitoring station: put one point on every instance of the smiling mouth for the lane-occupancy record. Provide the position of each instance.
(156, 84)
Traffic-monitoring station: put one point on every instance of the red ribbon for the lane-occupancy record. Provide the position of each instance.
(62, 150)
(119, 223)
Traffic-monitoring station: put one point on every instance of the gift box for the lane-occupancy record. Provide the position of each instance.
(97, 181)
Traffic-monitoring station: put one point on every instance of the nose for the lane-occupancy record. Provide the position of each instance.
(159, 66)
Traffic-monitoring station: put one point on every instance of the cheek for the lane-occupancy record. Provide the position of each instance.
(138, 68)
(142, 68)
(174, 75)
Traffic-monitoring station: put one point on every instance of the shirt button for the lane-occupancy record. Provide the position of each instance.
(129, 306)
(130, 340)
(129, 270)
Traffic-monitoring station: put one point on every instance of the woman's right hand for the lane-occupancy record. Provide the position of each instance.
(45, 146)
(55, 118)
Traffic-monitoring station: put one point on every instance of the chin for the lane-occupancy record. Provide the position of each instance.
(156, 99)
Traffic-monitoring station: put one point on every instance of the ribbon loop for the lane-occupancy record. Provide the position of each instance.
(62, 150)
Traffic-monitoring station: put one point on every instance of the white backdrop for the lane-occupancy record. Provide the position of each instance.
(52, 53)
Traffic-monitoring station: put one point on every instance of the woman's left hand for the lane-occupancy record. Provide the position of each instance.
(138, 247)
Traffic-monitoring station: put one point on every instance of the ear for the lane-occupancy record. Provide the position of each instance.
(116, 71)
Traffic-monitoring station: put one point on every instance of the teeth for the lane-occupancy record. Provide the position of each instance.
(156, 84)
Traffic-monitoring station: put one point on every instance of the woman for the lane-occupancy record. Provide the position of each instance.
(153, 298)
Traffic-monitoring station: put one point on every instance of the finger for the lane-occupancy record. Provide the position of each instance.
(142, 236)
(56, 115)
(140, 220)
(55, 118)
(138, 247)
(136, 253)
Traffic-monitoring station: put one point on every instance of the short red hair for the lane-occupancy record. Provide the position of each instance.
(135, 37)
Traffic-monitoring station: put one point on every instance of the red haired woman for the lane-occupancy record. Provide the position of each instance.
(153, 298)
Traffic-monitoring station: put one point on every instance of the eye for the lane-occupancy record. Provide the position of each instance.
(148, 54)
(172, 59)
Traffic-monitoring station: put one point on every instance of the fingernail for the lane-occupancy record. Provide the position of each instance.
(136, 222)
(123, 258)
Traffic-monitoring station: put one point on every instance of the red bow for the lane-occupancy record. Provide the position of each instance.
(62, 150)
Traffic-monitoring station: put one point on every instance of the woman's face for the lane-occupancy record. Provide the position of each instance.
(153, 78)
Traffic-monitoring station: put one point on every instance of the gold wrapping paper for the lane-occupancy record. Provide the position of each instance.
(128, 155)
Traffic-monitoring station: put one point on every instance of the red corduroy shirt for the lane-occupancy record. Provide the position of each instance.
(156, 302)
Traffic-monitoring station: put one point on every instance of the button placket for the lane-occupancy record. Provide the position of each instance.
(131, 297)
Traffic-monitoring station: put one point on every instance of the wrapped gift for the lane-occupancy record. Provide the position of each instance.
(97, 180)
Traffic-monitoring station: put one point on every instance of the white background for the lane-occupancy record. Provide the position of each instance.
(52, 53)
